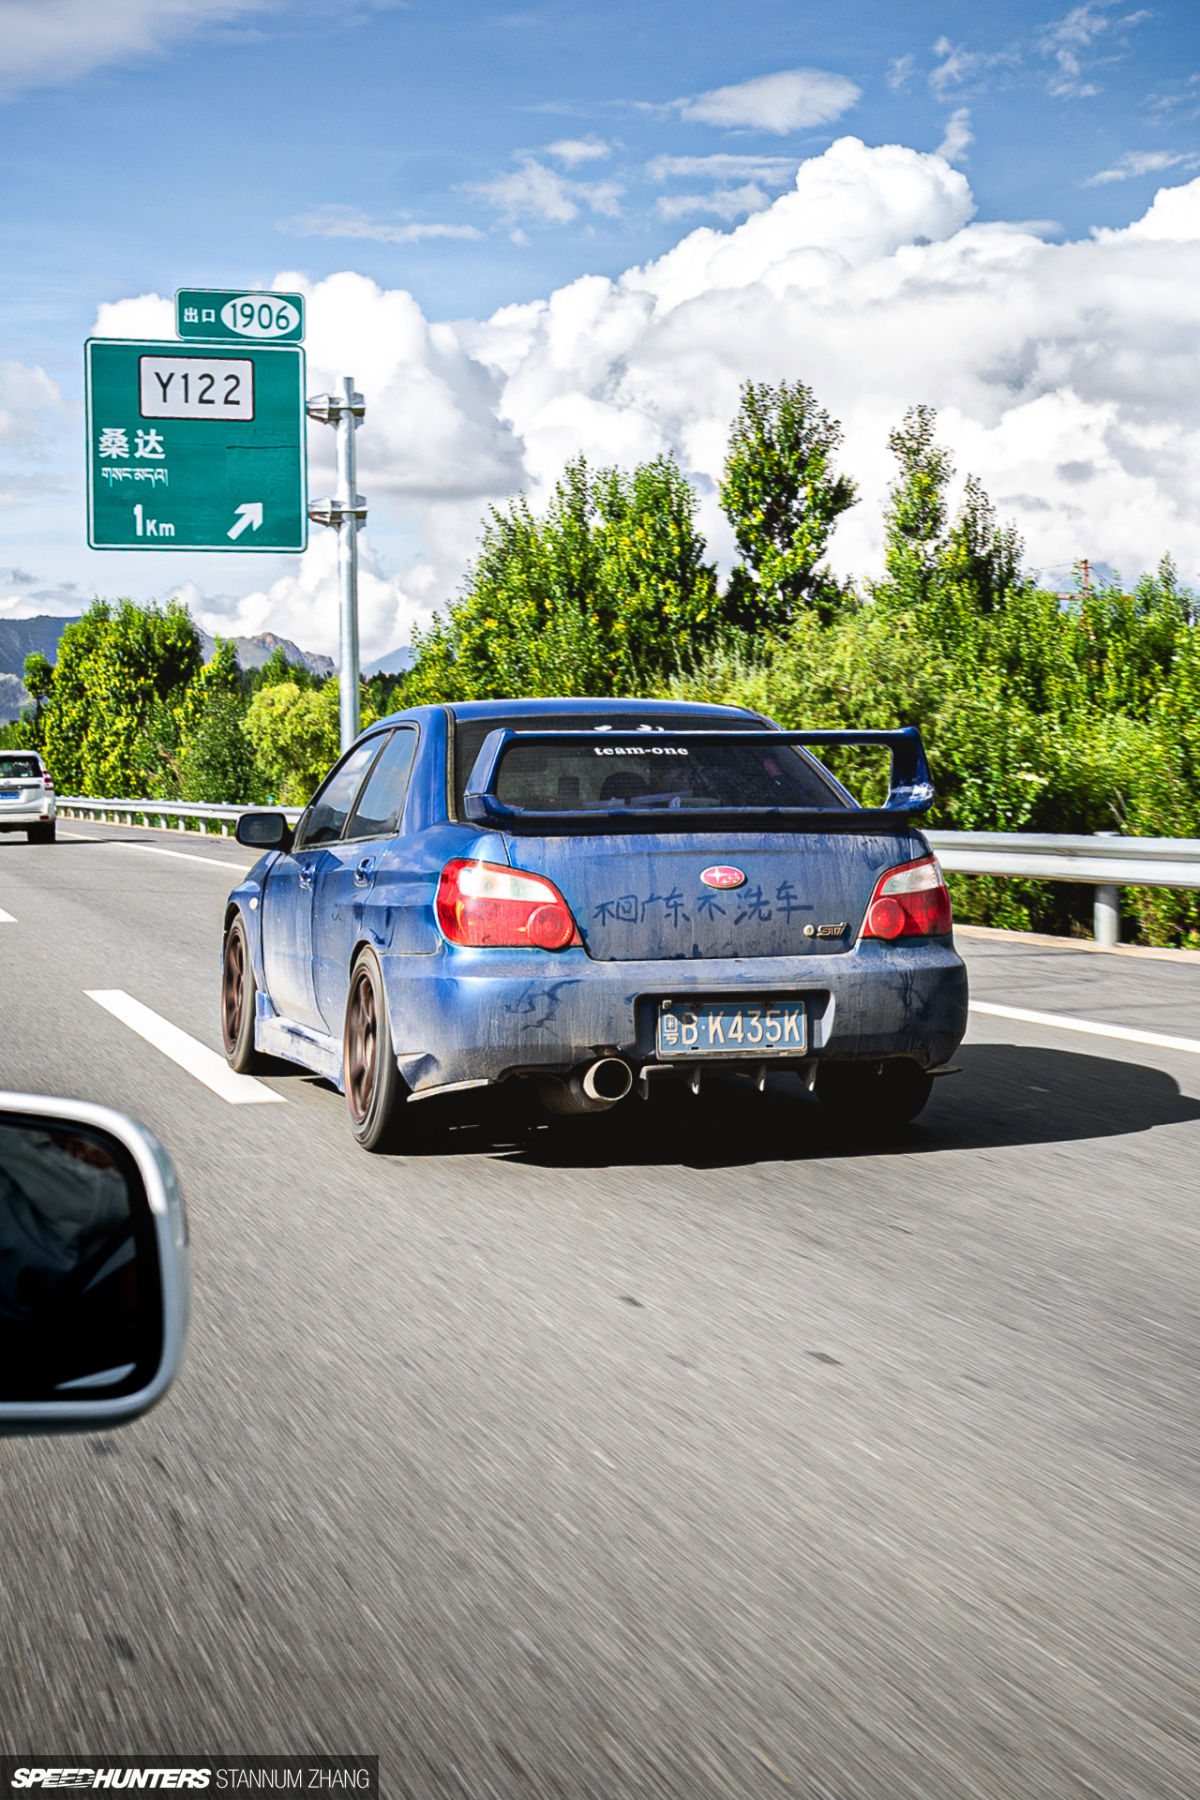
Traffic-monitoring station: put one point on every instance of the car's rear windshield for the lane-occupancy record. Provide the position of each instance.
(669, 770)
(18, 768)
(469, 734)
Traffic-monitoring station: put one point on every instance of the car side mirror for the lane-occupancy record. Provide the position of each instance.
(264, 831)
(94, 1286)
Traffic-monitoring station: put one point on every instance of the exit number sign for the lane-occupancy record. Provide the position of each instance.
(228, 313)
(190, 448)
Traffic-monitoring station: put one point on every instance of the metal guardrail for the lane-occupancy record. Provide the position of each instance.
(1104, 862)
(184, 813)
(1124, 862)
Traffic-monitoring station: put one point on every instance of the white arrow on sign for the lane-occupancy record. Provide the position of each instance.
(250, 514)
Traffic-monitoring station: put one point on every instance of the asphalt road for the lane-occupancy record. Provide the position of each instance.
(684, 1451)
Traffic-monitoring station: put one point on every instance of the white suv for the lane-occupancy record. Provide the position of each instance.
(26, 796)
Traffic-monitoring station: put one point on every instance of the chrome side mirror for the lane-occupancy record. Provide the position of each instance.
(94, 1285)
(264, 831)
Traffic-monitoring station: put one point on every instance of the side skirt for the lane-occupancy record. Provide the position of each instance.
(300, 1044)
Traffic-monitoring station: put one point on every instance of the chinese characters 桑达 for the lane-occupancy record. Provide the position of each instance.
(114, 442)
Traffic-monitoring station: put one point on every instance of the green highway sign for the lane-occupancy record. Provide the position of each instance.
(194, 447)
(219, 313)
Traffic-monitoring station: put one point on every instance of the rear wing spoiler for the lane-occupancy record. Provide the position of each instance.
(910, 791)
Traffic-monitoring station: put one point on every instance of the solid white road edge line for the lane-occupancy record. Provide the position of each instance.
(188, 1052)
(6, 918)
(214, 862)
(1092, 1027)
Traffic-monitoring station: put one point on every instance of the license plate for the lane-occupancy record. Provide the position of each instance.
(10, 793)
(732, 1028)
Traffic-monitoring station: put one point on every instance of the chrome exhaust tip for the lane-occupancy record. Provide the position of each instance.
(607, 1081)
(591, 1088)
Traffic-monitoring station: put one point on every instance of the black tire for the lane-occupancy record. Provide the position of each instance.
(238, 992)
(873, 1097)
(376, 1095)
(41, 834)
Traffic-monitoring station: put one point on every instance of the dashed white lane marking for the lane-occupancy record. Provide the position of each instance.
(1127, 1034)
(188, 1052)
(6, 918)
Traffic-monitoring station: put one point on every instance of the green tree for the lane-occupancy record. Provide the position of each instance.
(981, 559)
(39, 683)
(782, 496)
(216, 758)
(601, 595)
(111, 721)
(17, 735)
(1126, 645)
(917, 514)
(294, 734)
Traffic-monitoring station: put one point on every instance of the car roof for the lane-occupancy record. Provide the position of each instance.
(583, 708)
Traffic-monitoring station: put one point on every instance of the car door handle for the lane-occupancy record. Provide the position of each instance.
(364, 871)
(306, 876)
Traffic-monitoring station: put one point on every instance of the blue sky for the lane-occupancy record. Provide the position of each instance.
(219, 157)
(478, 155)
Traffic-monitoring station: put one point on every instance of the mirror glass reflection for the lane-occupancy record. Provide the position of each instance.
(80, 1297)
(261, 830)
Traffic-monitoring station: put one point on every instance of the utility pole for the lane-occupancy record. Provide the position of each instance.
(347, 513)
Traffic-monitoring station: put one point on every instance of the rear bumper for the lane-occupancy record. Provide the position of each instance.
(464, 1016)
(20, 818)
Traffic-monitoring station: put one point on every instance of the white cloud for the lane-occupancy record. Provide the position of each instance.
(304, 606)
(790, 100)
(901, 70)
(345, 222)
(58, 40)
(772, 171)
(1142, 162)
(868, 280)
(957, 65)
(1069, 39)
(723, 203)
(578, 150)
(31, 404)
(532, 191)
(144, 315)
(958, 136)
(22, 598)
(1173, 217)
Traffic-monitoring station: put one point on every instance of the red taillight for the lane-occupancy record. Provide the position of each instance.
(484, 905)
(910, 901)
(48, 783)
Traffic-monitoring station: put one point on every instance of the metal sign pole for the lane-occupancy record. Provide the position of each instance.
(346, 512)
(347, 493)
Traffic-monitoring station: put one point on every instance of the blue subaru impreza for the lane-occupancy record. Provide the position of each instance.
(594, 896)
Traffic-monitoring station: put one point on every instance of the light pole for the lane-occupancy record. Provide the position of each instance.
(346, 512)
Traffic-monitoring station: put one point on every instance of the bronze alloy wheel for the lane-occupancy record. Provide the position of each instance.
(238, 991)
(362, 1044)
(376, 1095)
(233, 989)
